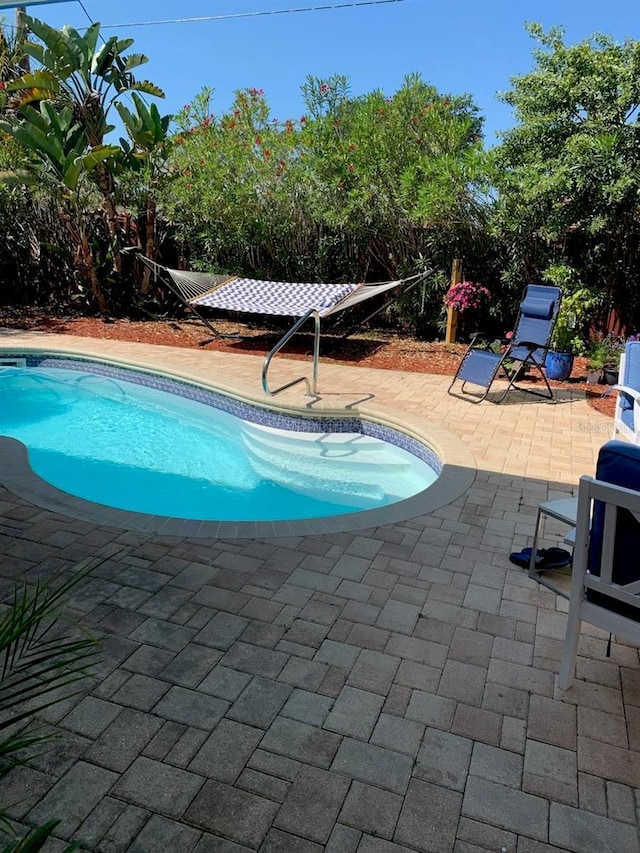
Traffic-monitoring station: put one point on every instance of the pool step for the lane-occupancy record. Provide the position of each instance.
(347, 448)
(342, 476)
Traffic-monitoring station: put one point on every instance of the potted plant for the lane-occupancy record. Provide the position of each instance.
(560, 357)
(596, 360)
(569, 333)
(611, 369)
(604, 357)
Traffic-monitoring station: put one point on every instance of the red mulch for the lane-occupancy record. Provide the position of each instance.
(380, 349)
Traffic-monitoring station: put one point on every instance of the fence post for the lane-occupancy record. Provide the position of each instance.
(452, 314)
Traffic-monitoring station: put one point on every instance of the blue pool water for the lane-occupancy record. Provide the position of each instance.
(137, 448)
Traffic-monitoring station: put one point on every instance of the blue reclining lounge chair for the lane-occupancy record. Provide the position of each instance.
(528, 347)
(626, 419)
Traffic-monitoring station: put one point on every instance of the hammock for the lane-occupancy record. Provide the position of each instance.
(274, 298)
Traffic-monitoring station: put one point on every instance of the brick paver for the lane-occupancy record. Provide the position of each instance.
(388, 690)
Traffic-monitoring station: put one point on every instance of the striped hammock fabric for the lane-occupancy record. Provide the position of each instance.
(278, 298)
(274, 298)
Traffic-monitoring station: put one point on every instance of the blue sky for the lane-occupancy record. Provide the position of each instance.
(460, 46)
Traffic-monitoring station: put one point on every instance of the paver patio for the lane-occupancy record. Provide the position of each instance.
(382, 691)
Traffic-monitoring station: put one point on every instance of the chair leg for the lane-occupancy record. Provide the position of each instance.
(548, 395)
(474, 397)
(533, 572)
(572, 637)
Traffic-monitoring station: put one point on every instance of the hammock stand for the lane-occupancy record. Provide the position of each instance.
(275, 298)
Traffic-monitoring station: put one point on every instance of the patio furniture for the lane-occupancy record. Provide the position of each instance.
(626, 419)
(605, 583)
(564, 510)
(528, 347)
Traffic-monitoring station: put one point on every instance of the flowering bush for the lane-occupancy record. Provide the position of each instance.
(466, 295)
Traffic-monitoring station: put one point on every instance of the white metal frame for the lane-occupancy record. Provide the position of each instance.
(580, 609)
(633, 435)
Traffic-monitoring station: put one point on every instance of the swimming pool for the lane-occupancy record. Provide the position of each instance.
(120, 438)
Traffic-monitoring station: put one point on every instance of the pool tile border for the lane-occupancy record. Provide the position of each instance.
(447, 455)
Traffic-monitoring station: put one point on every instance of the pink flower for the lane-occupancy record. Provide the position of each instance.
(466, 295)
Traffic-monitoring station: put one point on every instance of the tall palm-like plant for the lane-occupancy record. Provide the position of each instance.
(12, 58)
(42, 662)
(147, 152)
(64, 160)
(76, 73)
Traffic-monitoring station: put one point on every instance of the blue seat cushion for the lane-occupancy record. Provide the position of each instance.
(631, 375)
(619, 464)
(630, 378)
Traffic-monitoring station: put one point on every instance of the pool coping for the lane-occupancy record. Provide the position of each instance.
(457, 474)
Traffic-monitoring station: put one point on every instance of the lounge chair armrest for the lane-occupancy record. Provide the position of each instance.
(529, 344)
(479, 340)
(630, 392)
(477, 336)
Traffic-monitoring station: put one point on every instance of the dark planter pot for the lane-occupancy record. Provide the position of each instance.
(610, 376)
(558, 365)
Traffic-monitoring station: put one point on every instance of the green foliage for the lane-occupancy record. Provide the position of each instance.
(60, 144)
(568, 173)
(60, 113)
(356, 187)
(578, 307)
(145, 155)
(36, 840)
(42, 662)
(75, 69)
(146, 128)
(605, 351)
(570, 333)
(36, 658)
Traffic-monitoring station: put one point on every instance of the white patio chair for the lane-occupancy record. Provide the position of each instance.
(626, 419)
(605, 581)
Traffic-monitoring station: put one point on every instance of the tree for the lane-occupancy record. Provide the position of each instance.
(399, 173)
(73, 89)
(13, 60)
(568, 173)
(65, 161)
(146, 154)
(369, 186)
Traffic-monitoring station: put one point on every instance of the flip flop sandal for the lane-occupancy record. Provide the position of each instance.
(555, 558)
(523, 558)
(546, 558)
